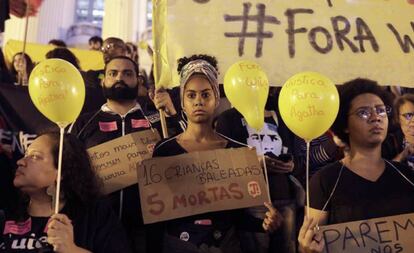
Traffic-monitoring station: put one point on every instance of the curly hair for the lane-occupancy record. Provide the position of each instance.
(347, 93)
(80, 185)
(64, 54)
(208, 58)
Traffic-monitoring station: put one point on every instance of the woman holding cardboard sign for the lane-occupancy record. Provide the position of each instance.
(362, 185)
(210, 232)
(83, 224)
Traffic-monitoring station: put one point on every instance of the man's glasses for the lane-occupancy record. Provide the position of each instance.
(367, 112)
(110, 46)
(408, 116)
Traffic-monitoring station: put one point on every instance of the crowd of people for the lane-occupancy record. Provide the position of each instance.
(362, 168)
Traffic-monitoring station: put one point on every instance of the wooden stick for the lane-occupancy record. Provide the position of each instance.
(26, 28)
(163, 123)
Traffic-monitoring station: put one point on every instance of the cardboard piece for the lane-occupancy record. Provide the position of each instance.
(200, 182)
(381, 235)
(341, 39)
(116, 161)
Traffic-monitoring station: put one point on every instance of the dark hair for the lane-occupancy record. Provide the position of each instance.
(406, 98)
(58, 43)
(4, 71)
(208, 58)
(29, 64)
(132, 49)
(79, 182)
(115, 40)
(2, 61)
(136, 69)
(64, 54)
(347, 92)
(95, 39)
(79, 186)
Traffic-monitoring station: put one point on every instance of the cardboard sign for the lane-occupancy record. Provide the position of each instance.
(391, 234)
(341, 39)
(200, 182)
(116, 161)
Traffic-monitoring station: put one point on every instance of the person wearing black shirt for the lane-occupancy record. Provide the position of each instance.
(210, 231)
(119, 116)
(362, 185)
(83, 224)
(272, 140)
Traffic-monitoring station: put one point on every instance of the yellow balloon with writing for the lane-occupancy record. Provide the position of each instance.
(247, 87)
(308, 104)
(57, 90)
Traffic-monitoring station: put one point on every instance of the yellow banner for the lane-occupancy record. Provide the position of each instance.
(88, 59)
(342, 39)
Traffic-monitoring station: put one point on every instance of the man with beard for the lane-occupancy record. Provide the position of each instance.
(119, 116)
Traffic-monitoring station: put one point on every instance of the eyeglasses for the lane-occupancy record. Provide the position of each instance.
(408, 116)
(110, 46)
(367, 112)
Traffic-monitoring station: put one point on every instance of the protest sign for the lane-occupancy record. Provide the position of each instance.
(341, 39)
(116, 161)
(88, 59)
(381, 235)
(200, 182)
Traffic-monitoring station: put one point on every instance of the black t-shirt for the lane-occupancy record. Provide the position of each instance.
(95, 228)
(27, 236)
(357, 198)
(208, 228)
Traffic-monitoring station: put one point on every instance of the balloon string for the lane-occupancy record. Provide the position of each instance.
(62, 132)
(307, 178)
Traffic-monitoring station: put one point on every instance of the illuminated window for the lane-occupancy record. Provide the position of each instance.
(91, 11)
(149, 13)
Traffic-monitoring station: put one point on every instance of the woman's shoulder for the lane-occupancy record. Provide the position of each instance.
(167, 147)
(328, 172)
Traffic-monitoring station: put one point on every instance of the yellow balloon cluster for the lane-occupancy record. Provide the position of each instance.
(308, 104)
(247, 87)
(57, 90)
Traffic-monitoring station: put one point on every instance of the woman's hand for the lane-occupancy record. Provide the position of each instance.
(273, 219)
(408, 150)
(60, 235)
(162, 100)
(277, 166)
(310, 240)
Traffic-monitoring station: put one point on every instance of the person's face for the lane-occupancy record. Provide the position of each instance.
(406, 119)
(19, 62)
(95, 45)
(121, 81)
(367, 120)
(199, 101)
(112, 49)
(36, 170)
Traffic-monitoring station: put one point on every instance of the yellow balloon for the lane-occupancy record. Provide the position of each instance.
(246, 86)
(308, 104)
(57, 90)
